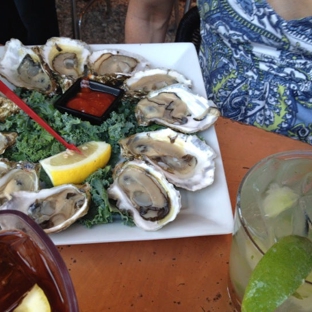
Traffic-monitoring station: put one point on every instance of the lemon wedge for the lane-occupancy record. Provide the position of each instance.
(278, 274)
(73, 168)
(34, 301)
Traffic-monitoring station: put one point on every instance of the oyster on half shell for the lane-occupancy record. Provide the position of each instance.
(154, 79)
(119, 62)
(67, 58)
(143, 190)
(54, 209)
(7, 108)
(6, 140)
(177, 107)
(23, 67)
(17, 176)
(185, 160)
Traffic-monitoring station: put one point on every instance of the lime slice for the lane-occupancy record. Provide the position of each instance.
(278, 274)
(35, 300)
(278, 199)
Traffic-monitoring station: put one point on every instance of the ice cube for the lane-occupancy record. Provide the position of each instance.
(277, 199)
(292, 172)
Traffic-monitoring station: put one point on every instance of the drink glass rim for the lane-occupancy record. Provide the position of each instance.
(292, 154)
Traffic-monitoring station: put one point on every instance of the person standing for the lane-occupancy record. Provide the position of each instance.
(147, 20)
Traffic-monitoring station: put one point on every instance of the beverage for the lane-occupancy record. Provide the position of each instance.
(274, 200)
(22, 265)
(28, 258)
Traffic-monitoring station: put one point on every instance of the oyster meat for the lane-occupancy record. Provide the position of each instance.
(53, 209)
(6, 140)
(177, 107)
(105, 62)
(154, 79)
(67, 58)
(186, 160)
(16, 177)
(143, 190)
(23, 67)
(7, 165)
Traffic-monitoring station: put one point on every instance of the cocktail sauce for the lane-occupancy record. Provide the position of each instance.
(91, 102)
(22, 265)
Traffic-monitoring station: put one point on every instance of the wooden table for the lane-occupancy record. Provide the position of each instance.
(186, 274)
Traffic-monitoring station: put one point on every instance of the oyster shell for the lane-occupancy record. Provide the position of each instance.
(185, 160)
(16, 177)
(7, 108)
(154, 79)
(6, 140)
(4, 167)
(23, 67)
(117, 62)
(67, 58)
(109, 79)
(53, 209)
(143, 190)
(177, 107)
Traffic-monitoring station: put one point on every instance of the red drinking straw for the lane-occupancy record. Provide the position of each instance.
(22, 105)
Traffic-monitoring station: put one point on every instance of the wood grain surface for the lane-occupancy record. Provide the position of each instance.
(186, 274)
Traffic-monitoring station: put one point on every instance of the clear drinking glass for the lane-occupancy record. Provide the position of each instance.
(29, 257)
(284, 179)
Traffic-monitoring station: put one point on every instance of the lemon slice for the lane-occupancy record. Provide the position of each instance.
(72, 167)
(278, 274)
(34, 301)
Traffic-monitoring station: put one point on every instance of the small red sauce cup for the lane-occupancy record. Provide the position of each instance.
(89, 100)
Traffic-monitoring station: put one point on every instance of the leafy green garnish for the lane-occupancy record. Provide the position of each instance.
(34, 143)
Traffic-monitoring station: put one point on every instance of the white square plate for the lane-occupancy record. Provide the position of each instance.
(205, 212)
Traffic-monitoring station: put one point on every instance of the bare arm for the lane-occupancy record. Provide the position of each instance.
(290, 9)
(147, 20)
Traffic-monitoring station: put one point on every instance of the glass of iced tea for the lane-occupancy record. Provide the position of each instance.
(28, 257)
(274, 200)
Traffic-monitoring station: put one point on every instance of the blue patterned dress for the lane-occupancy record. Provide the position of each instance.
(257, 67)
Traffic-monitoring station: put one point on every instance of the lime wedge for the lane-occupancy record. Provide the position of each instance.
(278, 199)
(278, 274)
